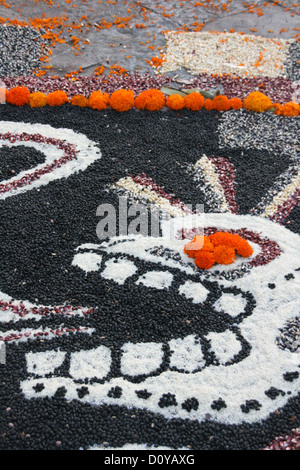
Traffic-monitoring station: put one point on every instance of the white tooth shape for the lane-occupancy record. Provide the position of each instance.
(156, 279)
(225, 345)
(88, 262)
(91, 363)
(231, 304)
(194, 291)
(187, 354)
(141, 358)
(119, 270)
(42, 363)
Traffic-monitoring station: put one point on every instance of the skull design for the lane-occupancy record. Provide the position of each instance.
(217, 355)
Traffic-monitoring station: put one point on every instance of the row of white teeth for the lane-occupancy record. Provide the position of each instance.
(186, 355)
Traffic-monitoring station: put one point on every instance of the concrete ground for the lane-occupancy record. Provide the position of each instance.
(125, 33)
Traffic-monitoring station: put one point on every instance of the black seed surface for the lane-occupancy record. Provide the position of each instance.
(273, 393)
(115, 392)
(167, 399)
(250, 405)
(39, 387)
(190, 404)
(218, 404)
(291, 376)
(144, 394)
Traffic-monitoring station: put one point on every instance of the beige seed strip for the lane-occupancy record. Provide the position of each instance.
(144, 193)
(211, 180)
(282, 197)
(225, 53)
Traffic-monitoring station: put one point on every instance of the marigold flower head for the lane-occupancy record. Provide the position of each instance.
(152, 100)
(239, 244)
(194, 101)
(19, 96)
(243, 248)
(122, 100)
(197, 244)
(175, 102)
(57, 98)
(80, 100)
(224, 254)
(291, 109)
(221, 103)
(205, 259)
(258, 102)
(209, 104)
(220, 247)
(236, 103)
(98, 100)
(222, 238)
(37, 99)
(278, 108)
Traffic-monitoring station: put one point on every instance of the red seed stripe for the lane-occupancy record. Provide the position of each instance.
(145, 181)
(226, 173)
(69, 154)
(285, 209)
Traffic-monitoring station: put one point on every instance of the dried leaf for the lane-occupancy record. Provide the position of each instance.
(206, 94)
(172, 91)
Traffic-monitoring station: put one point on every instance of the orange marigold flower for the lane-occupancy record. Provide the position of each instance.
(175, 102)
(236, 103)
(238, 243)
(197, 244)
(258, 102)
(291, 109)
(220, 247)
(224, 254)
(278, 108)
(19, 96)
(80, 100)
(37, 99)
(222, 238)
(98, 100)
(122, 100)
(205, 259)
(57, 98)
(194, 101)
(152, 99)
(209, 104)
(243, 248)
(221, 103)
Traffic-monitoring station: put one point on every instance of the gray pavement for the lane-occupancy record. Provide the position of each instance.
(128, 43)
